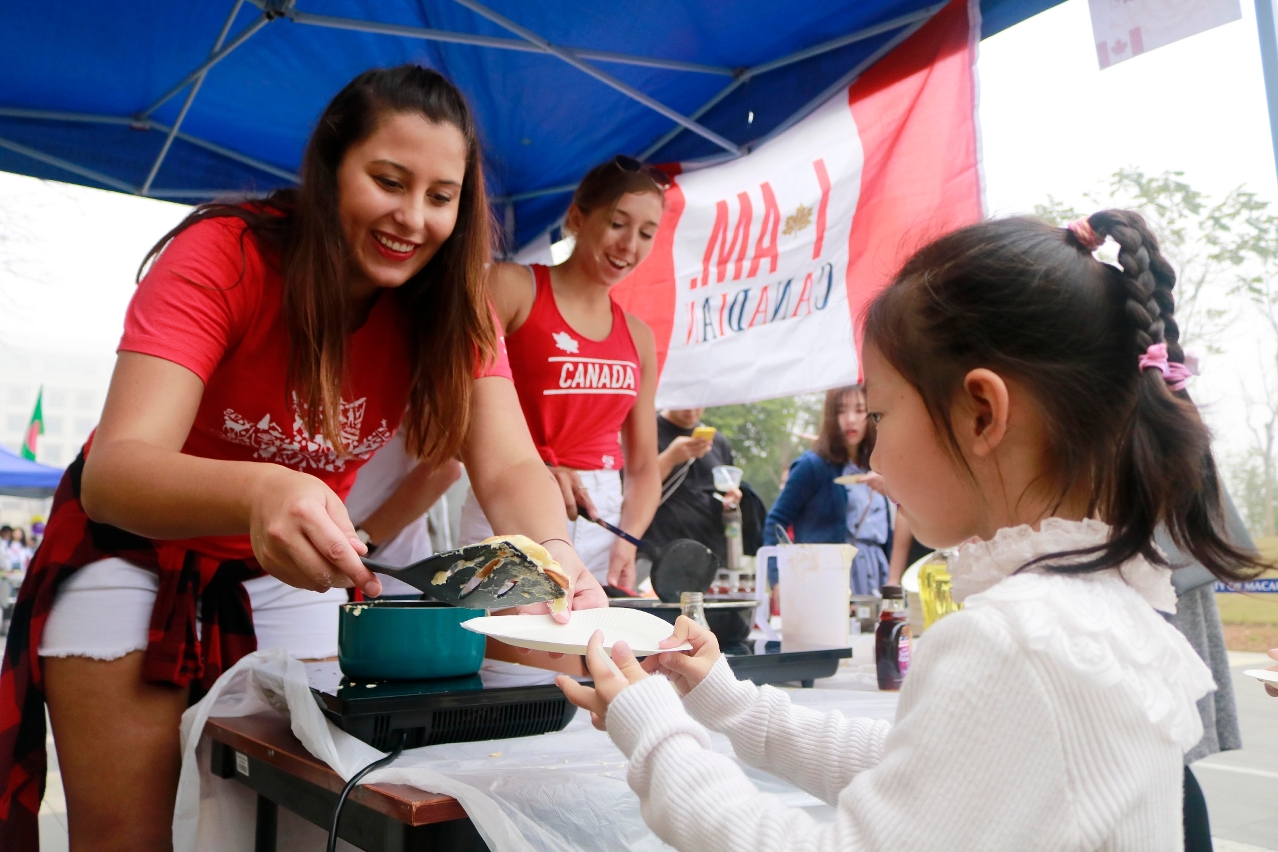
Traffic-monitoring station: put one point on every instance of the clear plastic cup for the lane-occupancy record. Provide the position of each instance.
(726, 477)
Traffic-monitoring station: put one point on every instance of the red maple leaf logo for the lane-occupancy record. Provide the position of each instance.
(1120, 46)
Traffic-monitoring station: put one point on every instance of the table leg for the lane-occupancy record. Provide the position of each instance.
(268, 814)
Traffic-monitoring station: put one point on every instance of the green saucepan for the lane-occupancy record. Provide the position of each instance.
(407, 640)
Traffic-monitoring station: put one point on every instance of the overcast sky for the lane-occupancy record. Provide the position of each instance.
(1051, 124)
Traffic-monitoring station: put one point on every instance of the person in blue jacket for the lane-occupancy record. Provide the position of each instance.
(820, 510)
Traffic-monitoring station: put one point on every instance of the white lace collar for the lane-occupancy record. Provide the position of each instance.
(980, 565)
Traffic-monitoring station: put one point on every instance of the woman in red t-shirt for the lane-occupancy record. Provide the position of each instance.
(269, 351)
(586, 370)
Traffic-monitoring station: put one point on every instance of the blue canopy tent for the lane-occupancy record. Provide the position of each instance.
(190, 101)
(22, 478)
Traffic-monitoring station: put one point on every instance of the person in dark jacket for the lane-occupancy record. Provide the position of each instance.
(690, 505)
(820, 510)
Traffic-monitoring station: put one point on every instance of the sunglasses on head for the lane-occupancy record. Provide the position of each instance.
(630, 164)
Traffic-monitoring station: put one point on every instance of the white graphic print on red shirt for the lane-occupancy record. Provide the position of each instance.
(301, 450)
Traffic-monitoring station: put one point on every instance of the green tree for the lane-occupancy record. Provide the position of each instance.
(766, 436)
(1225, 252)
(1251, 485)
(1206, 240)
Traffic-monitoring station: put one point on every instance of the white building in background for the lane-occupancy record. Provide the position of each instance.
(74, 389)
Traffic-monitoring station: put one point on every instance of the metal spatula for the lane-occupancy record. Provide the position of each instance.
(480, 576)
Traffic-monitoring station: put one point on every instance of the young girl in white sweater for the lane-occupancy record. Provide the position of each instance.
(1031, 411)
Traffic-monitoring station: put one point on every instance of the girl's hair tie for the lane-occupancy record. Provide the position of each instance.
(1174, 374)
(1085, 234)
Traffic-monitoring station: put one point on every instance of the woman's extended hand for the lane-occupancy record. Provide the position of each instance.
(584, 591)
(301, 534)
(685, 670)
(611, 676)
(621, 565)
(574, 492)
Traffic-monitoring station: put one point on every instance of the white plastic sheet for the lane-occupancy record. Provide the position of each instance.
(562, 791)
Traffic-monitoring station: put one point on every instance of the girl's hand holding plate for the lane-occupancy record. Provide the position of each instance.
(611, 676)
(685, 670)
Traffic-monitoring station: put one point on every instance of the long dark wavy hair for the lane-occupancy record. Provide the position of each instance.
(1030, 301)
(445, 305)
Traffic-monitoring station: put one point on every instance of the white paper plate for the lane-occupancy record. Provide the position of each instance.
(642, 631)
(1263, 674)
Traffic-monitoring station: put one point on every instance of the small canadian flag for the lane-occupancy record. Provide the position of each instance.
(1127, 28)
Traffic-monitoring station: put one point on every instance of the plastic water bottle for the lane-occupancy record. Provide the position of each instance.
(736, 546)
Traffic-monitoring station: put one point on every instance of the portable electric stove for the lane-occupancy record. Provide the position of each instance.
(462, 709)
(763, 662)
(447, 710)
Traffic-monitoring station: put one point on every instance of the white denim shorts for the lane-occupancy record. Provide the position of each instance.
(104, 612)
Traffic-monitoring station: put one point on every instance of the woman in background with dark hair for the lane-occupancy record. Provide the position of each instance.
(853, 510)
(271, 348)
(585, 370)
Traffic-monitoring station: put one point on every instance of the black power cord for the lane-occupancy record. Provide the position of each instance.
(355, 779)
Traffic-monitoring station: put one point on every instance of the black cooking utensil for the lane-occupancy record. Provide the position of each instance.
(617, 531)
(479, 576)
(684, 565)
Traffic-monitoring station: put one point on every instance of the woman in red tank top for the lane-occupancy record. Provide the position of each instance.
(585, 370)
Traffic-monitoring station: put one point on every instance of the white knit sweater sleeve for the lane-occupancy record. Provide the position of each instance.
(817, 752)
(975, 737)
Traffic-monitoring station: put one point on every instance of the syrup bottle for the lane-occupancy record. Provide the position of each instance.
(892, 639)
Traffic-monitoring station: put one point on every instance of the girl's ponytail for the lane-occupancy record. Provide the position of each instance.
(1100, 349)
(1164, 472)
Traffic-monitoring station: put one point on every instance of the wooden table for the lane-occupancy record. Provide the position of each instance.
(261, 753)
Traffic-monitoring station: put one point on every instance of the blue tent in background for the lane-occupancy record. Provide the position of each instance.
(22, 478)
(188, 101)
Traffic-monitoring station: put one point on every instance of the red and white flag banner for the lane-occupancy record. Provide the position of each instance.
(1127, 28)
(763, 264)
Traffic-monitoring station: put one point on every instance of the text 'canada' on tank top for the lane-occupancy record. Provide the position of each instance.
(576, 393)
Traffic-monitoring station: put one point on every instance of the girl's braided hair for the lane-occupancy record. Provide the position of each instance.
(1028, 300)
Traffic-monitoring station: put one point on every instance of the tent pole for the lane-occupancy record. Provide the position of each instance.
(606, 79)
(67, 165)
(702, 110)
(147, 124)
(165, 194)
(452, 37)
(1269, 65)
(190, 97)
(508, 225)
(797, 56)
(232, 154)
(55, 115)
(213, 59)
(535, 193)
(844, 41)
(847, 79)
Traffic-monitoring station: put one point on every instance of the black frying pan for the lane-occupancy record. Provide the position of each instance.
(684, 565)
